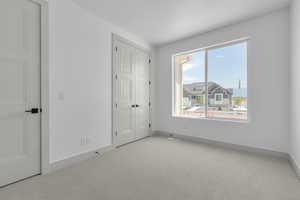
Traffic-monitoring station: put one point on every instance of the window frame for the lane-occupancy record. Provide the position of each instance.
(221, 95)
(206, 49)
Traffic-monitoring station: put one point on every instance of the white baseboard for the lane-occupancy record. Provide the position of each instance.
(79, 158)
(225, 144)
(295, 165)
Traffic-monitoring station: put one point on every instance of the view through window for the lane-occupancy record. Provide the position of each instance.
(212, 83)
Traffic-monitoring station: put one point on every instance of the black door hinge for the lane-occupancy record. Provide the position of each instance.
(149, 61)
(149, 104)
(149, 125)
(149, 82)
(116, 48)
(116, 76)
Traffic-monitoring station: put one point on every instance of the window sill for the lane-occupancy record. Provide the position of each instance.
(212, 119)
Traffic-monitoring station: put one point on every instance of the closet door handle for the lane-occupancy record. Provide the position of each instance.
(33, 111)
(133, 106)
(137, 106)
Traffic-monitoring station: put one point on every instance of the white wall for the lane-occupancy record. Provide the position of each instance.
(80, 79)
(268, 85)
(295, 81)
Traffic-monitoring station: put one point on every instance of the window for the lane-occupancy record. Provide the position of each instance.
(212, 82)
(218, 97)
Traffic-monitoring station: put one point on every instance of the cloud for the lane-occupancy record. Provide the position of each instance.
(190, 79)
(187, 67)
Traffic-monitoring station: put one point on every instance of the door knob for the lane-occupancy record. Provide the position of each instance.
(33, 110)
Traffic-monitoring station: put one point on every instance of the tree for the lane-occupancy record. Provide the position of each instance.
(237, 100)
(201, 100)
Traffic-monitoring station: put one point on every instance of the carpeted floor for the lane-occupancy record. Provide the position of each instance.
(160, 169)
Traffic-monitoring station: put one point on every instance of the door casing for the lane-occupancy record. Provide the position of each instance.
(117, 37)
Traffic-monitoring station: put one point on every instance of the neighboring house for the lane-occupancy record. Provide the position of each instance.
(218, 97)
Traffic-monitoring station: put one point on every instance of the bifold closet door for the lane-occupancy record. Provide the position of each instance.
(131, 93)
(141, 62)
(124, 94)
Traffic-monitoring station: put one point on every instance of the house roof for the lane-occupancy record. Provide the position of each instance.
(199, 88)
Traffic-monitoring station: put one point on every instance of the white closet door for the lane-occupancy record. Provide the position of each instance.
(131, 93)
(124, 94)
(142, 93)
(19, 90)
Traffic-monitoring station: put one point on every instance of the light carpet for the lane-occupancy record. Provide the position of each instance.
(160, 169)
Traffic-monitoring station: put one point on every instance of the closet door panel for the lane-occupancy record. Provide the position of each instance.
(124, 94)
(142, 93)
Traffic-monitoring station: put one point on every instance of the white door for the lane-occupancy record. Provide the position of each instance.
(131, 93)
(124, 97)
(141, 62)
(19, 90)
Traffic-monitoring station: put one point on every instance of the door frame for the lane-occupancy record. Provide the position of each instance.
(44, 86)
(116, 37)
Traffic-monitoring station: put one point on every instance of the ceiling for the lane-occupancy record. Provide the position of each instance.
(162, 21)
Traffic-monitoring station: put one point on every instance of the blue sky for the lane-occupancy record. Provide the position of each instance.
(226, 66)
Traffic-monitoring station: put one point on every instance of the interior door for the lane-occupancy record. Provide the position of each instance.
(142, 93)
(131, 93)
(19, 90)
(124, 94)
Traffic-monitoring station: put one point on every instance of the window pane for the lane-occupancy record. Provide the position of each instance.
(227, 82)
(190, 84)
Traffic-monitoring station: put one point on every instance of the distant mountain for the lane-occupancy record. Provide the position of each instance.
(239, 92)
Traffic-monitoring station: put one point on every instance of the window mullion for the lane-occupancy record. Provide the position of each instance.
(206, 83)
